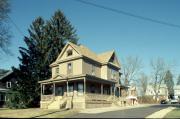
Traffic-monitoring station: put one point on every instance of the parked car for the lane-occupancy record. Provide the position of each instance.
(164, 101)
(174, 101)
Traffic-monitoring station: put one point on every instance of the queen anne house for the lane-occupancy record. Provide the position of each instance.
(81, 79)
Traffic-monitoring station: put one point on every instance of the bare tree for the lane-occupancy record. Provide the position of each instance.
(4, 28)
(131, 67)
(159, 69)
(143, 82)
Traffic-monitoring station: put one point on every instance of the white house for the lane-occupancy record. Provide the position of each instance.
(162, 93)
(177, 91)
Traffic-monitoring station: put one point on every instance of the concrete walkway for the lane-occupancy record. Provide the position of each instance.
(114, 108)
(162, 113)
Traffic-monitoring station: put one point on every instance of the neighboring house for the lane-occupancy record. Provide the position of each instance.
(162, 93)
(177, 91)
(81, 79)
(6, 81)
(132, 95)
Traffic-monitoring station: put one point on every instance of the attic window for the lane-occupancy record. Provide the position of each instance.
(57, 70)
(69, 53)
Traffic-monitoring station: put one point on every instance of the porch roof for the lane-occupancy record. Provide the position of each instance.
(3, 90)
(78, 77)
(97, 79)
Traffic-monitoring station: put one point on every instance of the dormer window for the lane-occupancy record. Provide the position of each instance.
(69, 53)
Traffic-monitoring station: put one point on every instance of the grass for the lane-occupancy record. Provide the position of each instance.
(35, 113)
(173, 114)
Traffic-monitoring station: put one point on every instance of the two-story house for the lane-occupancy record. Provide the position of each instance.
(81, 79)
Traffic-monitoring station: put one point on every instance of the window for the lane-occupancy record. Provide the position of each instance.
(93, 70)
(59, 91)
(2, 97)
(57, 70)
(113, 74)
(8, 84)
(80, 89)
(69, 68)
(69, 53)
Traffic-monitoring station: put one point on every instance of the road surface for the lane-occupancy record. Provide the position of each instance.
(140, 112)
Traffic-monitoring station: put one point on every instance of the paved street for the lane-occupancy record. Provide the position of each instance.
(140, 112)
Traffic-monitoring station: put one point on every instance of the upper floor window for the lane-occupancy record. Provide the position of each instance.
(69, 68)
(113, 74)
(69, 53)
(8, 84)
(93, 70)
(57, 70)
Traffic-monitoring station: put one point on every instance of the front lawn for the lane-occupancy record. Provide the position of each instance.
(173, 114)
(34, 113)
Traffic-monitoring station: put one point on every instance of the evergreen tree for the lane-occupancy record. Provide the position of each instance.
(44, 43)
(169, 83)
(178, 80)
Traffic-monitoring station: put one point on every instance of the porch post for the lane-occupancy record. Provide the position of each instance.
(119, 91)
(43, 88)
(84, 85)
(67, 88)
(111, 90)
(54, 89)
(114, 91)
(101, 89)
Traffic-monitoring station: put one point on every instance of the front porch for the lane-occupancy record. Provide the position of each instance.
(83, 92)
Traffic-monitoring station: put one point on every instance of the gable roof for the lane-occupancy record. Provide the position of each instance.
(84, 51)
(6, 74)
(105, 57)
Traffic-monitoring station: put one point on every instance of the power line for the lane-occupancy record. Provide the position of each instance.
(16, 26)
(129, 14)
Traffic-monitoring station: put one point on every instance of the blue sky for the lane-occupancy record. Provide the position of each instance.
(103, 30)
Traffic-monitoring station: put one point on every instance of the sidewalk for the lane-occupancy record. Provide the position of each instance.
(161, 113)
(114, 108)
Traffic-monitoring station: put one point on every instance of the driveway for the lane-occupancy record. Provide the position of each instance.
(140, 112)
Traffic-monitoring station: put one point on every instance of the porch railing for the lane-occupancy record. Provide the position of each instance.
(98, 97)
(47, 97)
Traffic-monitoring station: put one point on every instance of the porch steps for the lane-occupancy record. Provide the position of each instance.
(58, 104)
(54, 105)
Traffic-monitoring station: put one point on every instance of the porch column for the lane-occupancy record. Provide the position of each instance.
(119, 91)
(43, 88)
(84, 86)
(111, 90)
(67, 88)
(54, 89)
(114, 91)
(101, 89)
